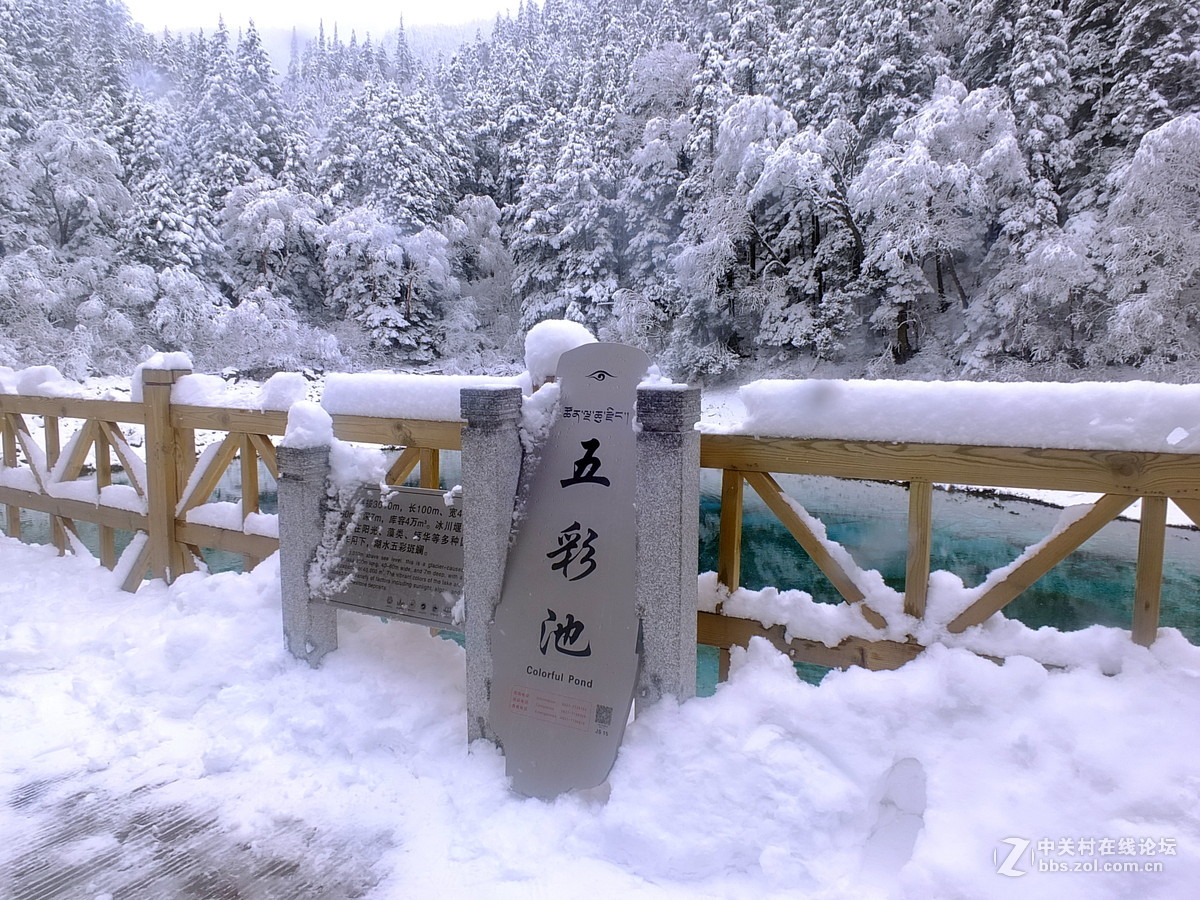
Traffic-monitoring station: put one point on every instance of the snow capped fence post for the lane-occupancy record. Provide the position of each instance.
(163, 459)
(309, 625)
(491, 466)
(668, 504)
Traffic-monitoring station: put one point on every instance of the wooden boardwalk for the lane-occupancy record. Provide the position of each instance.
(74, 842)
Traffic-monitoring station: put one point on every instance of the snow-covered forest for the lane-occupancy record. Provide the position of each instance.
(979, 188)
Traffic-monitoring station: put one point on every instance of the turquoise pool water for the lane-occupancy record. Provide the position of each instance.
(973, 534)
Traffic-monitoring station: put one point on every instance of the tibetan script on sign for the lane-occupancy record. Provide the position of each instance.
(400, 555)
(564, 642)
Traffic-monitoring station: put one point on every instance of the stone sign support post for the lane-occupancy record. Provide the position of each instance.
(668, 512)
(491, 467)
(309, 625)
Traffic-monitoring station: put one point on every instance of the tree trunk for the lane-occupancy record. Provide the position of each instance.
(905, 346)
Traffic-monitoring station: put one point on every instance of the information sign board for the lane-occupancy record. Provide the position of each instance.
(400, 555)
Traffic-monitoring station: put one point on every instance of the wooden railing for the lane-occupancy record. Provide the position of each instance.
(173, 480)
(1120, 477)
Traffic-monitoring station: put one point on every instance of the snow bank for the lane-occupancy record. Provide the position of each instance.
(905, 784)
(405, 396)
(1136, 415)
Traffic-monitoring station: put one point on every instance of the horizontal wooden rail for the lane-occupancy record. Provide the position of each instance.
(1093, 471)
(240, 421)
(213, 537)
(714, 630)
(70, 408)
(81, 510)
(399, 432)
(439, 435)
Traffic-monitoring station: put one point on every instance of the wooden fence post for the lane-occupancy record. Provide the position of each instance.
(1148, 592)
(920, 537)
(58, 534)
(108, 541)
(729, 533)
(431, 468)
(163, 453)
(729, 546)
(249, 501)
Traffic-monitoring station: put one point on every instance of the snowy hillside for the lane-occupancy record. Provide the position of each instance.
(922, 189)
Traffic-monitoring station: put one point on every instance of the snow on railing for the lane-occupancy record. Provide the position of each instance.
(1137, 415)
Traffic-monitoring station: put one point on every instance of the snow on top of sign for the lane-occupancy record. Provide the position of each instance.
(308, 426)
(546, 341)
(405, 396)
(1134, 415)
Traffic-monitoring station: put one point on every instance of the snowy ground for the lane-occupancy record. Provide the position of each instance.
(143, 730)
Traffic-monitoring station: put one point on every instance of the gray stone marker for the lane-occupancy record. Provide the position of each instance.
(309, 625)
(491, 469)
(565, 636)
(400, 555)
(668, 512)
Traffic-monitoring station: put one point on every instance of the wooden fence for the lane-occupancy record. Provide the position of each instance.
(1120, 477)
(173, 480)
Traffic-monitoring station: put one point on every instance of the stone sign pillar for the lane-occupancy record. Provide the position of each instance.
(491, 467)
(309, 624)
(668, 521)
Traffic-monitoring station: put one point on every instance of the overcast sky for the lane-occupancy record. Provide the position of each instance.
(373, 15)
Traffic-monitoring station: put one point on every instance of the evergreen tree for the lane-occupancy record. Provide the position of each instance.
(404, 67)
(223, 145)
(1152, 250)
(157, 231)
(272, 144)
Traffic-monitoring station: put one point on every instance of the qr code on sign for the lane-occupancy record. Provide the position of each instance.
(603, 715)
